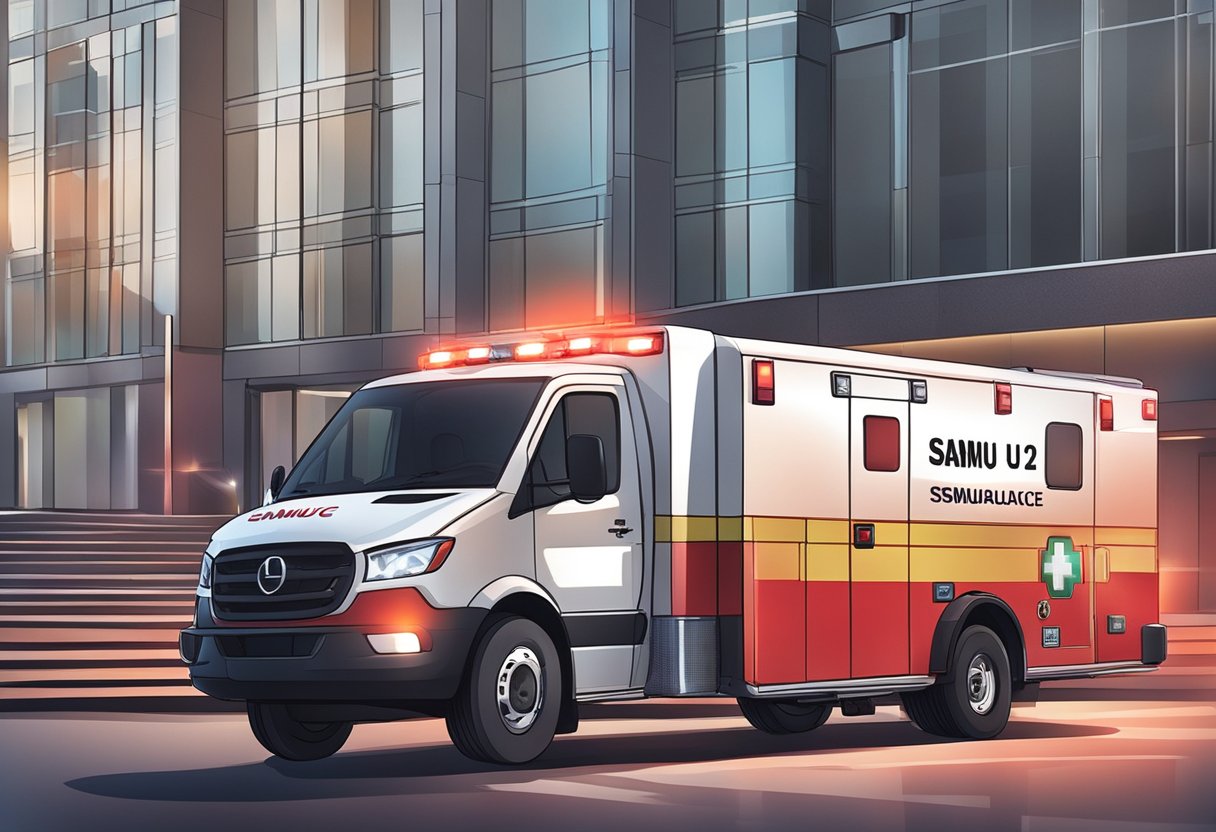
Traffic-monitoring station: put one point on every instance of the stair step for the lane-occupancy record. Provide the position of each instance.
(162, 653)
(98, 569)
(91, 677)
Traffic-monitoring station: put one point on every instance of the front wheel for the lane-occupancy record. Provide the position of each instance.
(507, 707)
(973, 701)
(285, 736)
(782, 717)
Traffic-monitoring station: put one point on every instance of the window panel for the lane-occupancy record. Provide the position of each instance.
(864, 134)
(97, 312)
(958, 209)
(28, 321)
(507, 150)
(695, 125)
(165, 196)
(337, 173)
(337, 38)
(558, 144)
(561, 278)
(247, 301)
(21, 113)
(695, 258)
(554, 29)
(401, 283)
(1042, 22)
(507, 284)
(1137, 123)
(285, 298)
(287, 173)
(695, 16)
(771, 113)
(67, 315)
(401, 28)
(771, 247)
(1121, 12)
(507, 33)
(22, 213)
(20, 18)
(958, 32)
(401, 156)
(63, 12)
(732, 248)
(166, 60)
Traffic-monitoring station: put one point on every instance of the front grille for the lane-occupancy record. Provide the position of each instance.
(276, 646)
(317, 578)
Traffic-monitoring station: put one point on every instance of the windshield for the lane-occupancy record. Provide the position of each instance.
(431, 434)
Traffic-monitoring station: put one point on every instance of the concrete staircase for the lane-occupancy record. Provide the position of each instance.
(90, 606)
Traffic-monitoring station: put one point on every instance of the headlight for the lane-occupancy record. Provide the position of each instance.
(204, 574)
(408, 559)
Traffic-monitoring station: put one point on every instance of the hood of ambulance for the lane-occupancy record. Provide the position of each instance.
(361, 521)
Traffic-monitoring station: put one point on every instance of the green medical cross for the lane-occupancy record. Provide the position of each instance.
(1061, 567)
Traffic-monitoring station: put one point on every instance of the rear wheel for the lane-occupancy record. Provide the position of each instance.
(507, 707)
(775, 716)
(285, 736)
(973, 701)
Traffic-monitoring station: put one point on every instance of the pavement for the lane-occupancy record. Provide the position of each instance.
(1113, 754)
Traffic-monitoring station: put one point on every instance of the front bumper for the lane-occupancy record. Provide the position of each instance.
(329, 659)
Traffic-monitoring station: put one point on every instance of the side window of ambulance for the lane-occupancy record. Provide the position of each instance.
(593, 414)
(1063, 455)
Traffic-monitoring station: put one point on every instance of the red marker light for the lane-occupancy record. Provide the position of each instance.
(1106, 414)
(1148, 410)
(643, 345)
(763, 383)
(1003, 402)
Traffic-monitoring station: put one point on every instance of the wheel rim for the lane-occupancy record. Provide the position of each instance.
(520, 689)
(981, 684)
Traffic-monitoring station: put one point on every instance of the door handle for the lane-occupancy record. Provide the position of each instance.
(619, 529)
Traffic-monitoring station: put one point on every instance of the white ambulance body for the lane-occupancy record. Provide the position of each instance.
(668, 512)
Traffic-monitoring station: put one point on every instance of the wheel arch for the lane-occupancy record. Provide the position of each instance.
(540, 609)
(984, 609)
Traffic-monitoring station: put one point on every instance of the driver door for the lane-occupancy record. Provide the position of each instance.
(589, 555)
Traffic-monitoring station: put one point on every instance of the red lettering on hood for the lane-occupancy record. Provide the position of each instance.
(283, 513)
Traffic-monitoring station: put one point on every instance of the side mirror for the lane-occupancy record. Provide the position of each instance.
(276, 481)
(585, 466)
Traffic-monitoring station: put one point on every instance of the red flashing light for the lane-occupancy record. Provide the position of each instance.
(1148, 410)
(1106, 414)
(1003, 399)
(477, 355)
(648, 343)
(530, 351)
(763, 382)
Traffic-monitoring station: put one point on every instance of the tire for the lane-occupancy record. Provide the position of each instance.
(512, 723)
(775, 716)
(285, 736)
(973, 700)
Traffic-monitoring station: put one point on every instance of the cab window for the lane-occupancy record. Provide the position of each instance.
(592, 414)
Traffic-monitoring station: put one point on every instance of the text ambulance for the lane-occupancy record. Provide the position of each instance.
(665, 512)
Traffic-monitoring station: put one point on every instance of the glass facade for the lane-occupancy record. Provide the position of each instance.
(385, 169)
(550, 146)
(323, 168)
(92, 163)
(751, 156)
(986, 135)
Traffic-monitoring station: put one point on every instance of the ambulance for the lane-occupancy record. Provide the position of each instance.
(593, 516)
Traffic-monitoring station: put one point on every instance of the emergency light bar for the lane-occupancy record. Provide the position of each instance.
(645, 343)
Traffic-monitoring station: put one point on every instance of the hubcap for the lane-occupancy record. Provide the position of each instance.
(521, 689)
(981, 684)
